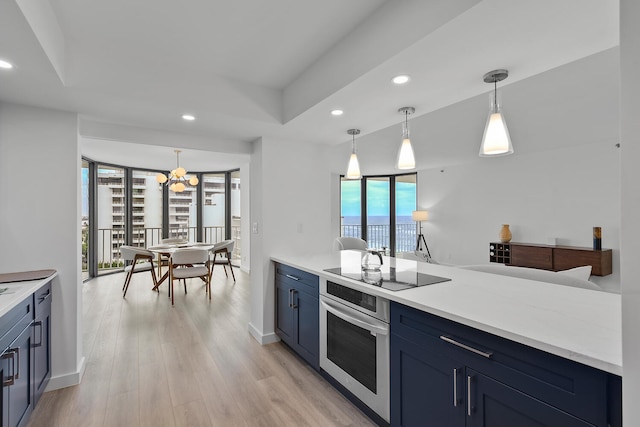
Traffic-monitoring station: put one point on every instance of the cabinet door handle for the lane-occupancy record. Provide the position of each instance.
(10, 379)
(469, 395)
(293, 298)
(455, 387)
(297, 279)
(38, 323)
(466, 347)
(17, 372)
(290, 298)
(41, 299)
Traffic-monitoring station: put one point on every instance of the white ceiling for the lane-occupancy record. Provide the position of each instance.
(249, 68)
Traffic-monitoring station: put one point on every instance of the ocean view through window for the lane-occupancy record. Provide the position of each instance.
(387, 203)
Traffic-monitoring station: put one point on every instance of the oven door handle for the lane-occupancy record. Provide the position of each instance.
(374, 329)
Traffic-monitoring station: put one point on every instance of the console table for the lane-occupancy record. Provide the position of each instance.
(548, 257)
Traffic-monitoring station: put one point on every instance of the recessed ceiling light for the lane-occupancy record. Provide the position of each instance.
(401, 79)
(337, 112)
(5, 64)
(188, 117)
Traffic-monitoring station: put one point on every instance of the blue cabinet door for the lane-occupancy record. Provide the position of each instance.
(21, 391)
(307, 327)
(427, 387)
(41, 353)
(493, 404)
(298, 312)
(284, 312)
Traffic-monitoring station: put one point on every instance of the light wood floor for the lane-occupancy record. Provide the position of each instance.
(194, 364)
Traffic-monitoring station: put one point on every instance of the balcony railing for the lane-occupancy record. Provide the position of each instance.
(378, 236)
(110, 240)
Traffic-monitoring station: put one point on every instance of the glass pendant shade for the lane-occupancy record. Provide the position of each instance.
(495, 140)
(353, 170)
(406, 159)
(161, 178)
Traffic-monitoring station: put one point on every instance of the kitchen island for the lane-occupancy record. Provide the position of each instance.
(578, 325)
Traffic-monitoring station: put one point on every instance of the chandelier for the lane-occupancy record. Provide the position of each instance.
(177, 179)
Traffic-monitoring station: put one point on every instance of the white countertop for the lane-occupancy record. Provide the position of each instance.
(577, 324)
(18, 291)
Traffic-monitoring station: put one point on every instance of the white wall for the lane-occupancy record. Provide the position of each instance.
(245, 215)
(558, 194)
(40, 213)
(290, 202)
(630, 215)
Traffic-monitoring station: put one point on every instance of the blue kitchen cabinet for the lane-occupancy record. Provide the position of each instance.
(298, 312)
(25, 356)
(494, 404)
(445, 373)
(16, 364)
(41, 341)
(413, 404)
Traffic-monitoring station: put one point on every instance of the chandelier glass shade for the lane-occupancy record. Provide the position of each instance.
(177, 179)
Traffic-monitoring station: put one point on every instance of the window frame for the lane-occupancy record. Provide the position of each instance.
(364, 203)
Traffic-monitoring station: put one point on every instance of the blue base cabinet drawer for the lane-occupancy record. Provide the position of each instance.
(460, 376)
(297, 312)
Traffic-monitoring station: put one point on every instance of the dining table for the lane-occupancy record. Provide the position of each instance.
(165, 251)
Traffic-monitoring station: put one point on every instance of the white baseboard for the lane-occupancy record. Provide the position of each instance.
(67, 380)
(262, 339)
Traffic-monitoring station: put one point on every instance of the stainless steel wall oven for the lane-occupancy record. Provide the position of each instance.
(354, 343)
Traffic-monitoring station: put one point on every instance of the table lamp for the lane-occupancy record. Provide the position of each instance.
(420, 216)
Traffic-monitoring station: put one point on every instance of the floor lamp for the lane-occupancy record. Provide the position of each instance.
(420, 216)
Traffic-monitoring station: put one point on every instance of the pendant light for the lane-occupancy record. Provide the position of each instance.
(496, 140)
(353, 170)
(406, 159)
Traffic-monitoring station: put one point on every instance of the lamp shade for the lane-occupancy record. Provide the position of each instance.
(353, 171)
(420, 215)
(496, 140)
(406, 159)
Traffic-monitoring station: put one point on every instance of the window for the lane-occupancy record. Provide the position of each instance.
(122, 205)
(387, 202)
(405, 204)
(235, 212)
(147, 200)
(111, 217)
(85, 219)
(378, 213)
(214, 209)
(350, 208)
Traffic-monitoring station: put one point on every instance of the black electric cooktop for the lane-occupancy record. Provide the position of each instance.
(393, 279)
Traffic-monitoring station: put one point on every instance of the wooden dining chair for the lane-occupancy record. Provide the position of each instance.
(189, 263)
(222, 256)
(138, 259)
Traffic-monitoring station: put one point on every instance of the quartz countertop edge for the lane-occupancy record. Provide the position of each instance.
(18, 291)
(577, 324)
